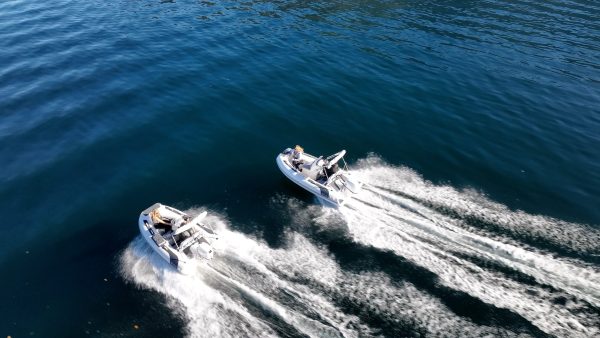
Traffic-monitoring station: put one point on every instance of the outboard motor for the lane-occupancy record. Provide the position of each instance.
(203, 250)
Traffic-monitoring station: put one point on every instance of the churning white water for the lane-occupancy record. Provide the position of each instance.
(300, 289)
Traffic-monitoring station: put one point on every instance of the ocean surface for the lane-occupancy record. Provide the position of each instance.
(475, 124)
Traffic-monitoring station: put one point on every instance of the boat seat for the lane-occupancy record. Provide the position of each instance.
(312, 169)
(312, 174)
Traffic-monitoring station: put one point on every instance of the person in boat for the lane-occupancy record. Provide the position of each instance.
(297, 157)
(332, 170)
(326, 172)
(159, 221)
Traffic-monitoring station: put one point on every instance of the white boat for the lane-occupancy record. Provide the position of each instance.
(324, 177)
(175, 236)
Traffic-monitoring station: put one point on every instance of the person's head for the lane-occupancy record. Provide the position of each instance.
(299, 149)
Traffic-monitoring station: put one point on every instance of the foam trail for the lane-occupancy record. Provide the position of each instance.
(300, 287)
(314, 274)
(431, 240)
(471, 205)
(209, 312)
(578, 280)
(216, 298)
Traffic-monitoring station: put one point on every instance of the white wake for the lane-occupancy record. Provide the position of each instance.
(393, 213)
(251, 289)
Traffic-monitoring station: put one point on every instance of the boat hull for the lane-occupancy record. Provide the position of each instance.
(152, 237)
(323, 194)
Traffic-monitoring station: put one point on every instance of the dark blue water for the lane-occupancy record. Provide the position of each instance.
(475, 123)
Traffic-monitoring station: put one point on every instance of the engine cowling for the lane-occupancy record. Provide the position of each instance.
(203, 250)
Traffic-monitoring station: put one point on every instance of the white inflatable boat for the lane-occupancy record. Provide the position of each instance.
(175, 236)
(324, 177)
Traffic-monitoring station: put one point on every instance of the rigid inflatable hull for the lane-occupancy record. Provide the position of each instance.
(178, 261)
(304, 182)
